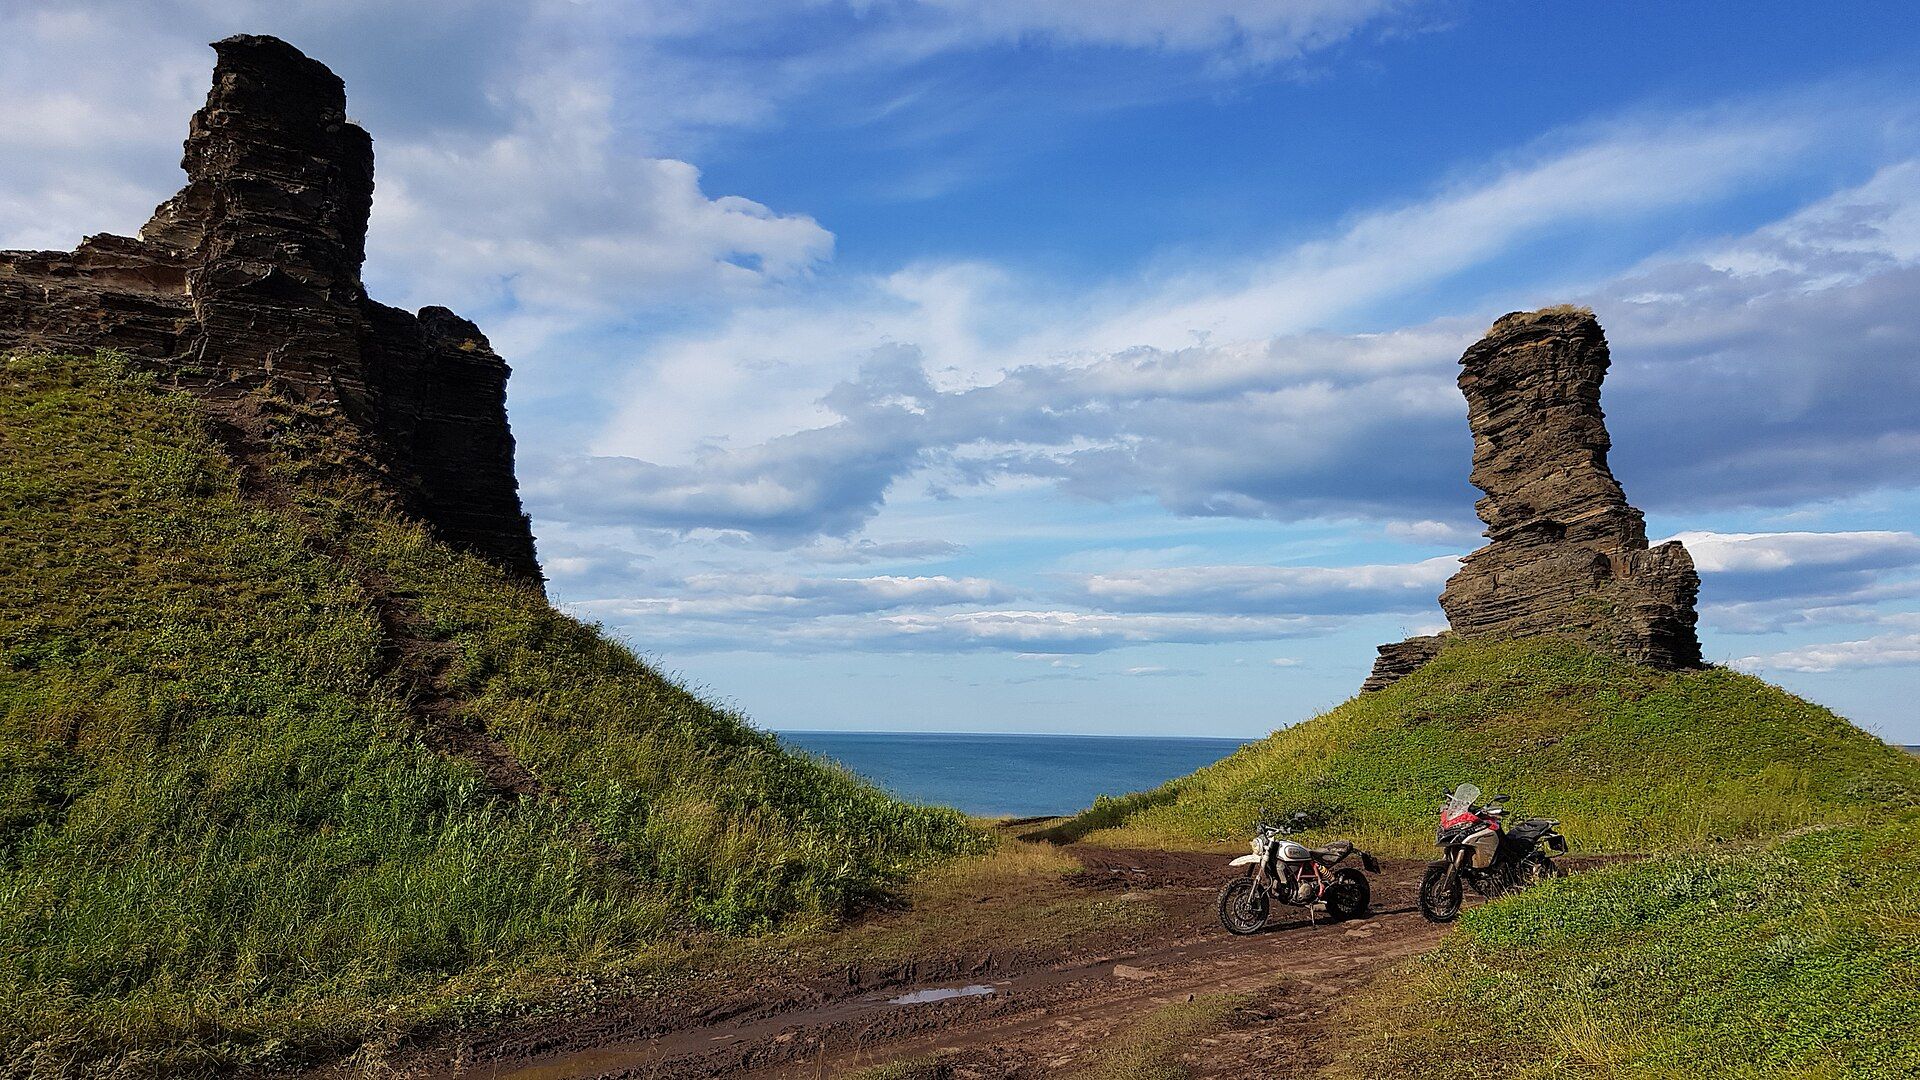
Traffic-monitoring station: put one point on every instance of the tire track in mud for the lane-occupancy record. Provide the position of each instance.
(1020, 1017)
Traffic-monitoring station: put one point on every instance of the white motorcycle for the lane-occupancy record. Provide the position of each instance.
(1284, 871)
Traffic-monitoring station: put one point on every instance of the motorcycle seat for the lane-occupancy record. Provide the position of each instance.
(1336, 850)
(1532, 828)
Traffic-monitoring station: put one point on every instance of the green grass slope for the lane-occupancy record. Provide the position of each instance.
(1629, 758)
(221, 838)
(1799, 958)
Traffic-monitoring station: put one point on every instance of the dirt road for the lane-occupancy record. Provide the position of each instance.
(1028, 1014)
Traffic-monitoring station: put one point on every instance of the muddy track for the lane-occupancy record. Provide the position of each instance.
(1002, 1016)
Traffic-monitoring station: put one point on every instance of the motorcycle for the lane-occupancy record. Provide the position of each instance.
(1483, 852)
(1285, 871)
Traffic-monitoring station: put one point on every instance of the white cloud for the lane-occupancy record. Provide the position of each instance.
(1729, 389)
(1755, 583)
(1772, 552)
(1065, 631)
(1272, 589)
(517, 176)
(749, 597)
(1240, 31)
(507, 186)
(858, 623)
(1438, 533)
(1627, 169)
(1886, 650)
(1157, 671)
(868, 551)
(540, 218)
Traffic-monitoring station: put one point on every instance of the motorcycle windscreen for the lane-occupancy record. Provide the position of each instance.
(1463, 797)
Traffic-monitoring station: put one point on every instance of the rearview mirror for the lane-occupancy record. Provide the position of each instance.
(1500, 798)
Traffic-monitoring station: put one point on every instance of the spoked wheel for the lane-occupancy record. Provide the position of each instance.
(1349, 896)
(1243, 909)
(1440, 894)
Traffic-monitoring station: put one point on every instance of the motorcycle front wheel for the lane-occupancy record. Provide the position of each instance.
(1243, 908)
(1440, 894)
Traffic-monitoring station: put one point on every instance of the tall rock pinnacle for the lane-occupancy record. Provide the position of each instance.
(1566, 555)
(273, 220)
(248, 281)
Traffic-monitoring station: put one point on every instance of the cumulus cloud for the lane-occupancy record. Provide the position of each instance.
(1773, 581)
(1430, 532)
(1055, 631)
(1771, 552)
(517, 177)
(749, 597)
(1784, 378)
(1776, 369)
(1258, 589)
(819, 482)
(507, 184)
(1886, 650)
(781, 623)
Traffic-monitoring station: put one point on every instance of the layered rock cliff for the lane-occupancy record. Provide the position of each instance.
(248, 281)
(1566, 555)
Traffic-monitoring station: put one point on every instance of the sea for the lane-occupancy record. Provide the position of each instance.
(1012, 775)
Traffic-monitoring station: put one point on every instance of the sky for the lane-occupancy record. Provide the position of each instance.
(1015, 365)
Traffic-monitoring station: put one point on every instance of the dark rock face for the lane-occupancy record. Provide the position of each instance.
(1566, 554)
(1401, 659)
(250, 278)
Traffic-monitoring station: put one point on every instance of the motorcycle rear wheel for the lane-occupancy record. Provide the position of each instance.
(1349, 896)
(1535, 869)
(1440, 894)
(1243, 909)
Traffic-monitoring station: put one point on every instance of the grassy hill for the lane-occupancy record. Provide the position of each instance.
(1796, 958)
(1781, 938)
(1629, 758)
(280, 772)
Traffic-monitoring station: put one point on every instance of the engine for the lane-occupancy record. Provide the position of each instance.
(1298, 888)
(1294, 887)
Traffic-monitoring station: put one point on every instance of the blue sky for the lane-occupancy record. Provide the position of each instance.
(1087, 367)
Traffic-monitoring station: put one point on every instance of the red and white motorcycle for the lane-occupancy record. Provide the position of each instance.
(1284, 871)
(1483, 852)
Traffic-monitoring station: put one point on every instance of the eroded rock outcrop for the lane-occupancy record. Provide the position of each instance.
(249, 278)
(1566, 554)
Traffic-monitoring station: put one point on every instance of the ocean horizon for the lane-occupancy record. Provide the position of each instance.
(1011, 775)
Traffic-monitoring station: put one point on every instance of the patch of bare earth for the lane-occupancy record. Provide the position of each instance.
(1026, 1011)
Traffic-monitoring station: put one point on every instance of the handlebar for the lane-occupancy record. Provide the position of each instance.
(1283, 826)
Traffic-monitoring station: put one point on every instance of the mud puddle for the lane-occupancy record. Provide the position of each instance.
(940, 993)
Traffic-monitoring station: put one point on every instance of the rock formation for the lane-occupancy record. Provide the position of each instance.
(1566, 554)
(249, 279)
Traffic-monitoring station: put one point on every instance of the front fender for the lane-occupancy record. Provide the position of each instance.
(1245, 860)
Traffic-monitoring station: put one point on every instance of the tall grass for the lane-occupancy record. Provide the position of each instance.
(220, 840)
(1796, 958)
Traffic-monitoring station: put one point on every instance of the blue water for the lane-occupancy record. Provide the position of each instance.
(1011, 775)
